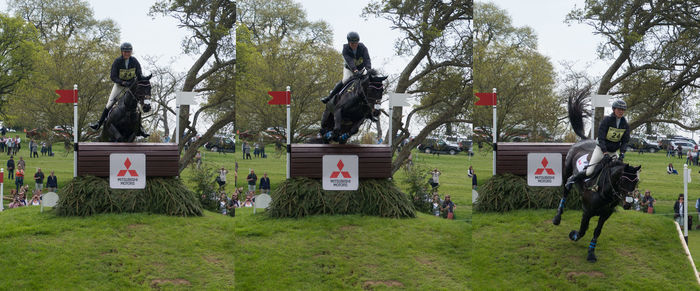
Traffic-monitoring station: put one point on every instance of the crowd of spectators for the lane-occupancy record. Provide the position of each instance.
(16, 172)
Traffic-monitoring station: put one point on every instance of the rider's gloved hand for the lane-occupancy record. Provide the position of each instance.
(622, 156)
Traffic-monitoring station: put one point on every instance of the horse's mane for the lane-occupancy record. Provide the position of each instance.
(605, 169)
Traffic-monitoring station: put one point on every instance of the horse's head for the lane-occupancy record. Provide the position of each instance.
(374, 88)
(627, 177)
(142, 92)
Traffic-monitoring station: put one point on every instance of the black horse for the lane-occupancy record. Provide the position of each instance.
(124, 119)
(611, 180)
(346, 112)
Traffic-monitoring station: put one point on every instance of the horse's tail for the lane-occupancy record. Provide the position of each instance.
(577, 112)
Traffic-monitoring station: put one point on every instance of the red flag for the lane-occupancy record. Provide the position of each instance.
(279, 97)
(67, 96)
(485, 99)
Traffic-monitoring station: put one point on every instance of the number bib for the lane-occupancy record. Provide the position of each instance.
(615, 134)
(127, 74)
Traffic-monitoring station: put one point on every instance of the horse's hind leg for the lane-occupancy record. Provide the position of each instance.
(591, 248)
(585, 219)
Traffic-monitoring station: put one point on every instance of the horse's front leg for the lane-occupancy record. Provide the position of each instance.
(596, 233)
(560, 210)
(585, 219)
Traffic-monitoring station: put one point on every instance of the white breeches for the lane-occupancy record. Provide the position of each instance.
(116, 90)
(595, 159)
(346, 75)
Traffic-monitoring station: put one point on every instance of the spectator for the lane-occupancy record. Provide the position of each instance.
(223, 203)
(33, 150)
(262, 151)
(256, 150)
(19, 178)
(252, 179)
(49, 149)
(198, 160)
(21, 164)
(233, 204)
(435, 178)
(689, 158)
(38, 179)
(449, 207)
(436, 204)
(671, 170)
(11, 168)
(36, 199)
(264, 184)
(679, 210)
(43, 148)
(52, 182)
(697, 208)
(679, 150)
(648, 202)
(221, 179)
(636, 200)
(31, 144)
(15, 202)
(248, 199)
(471, 174)
(669, 150)
(18, 145)
(246, 150)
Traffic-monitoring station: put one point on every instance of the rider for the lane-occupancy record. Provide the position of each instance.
(613, 135)
(356, 58)
(124, 70)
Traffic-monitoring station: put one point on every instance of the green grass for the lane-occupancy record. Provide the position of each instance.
(522, 250)
(140, 251)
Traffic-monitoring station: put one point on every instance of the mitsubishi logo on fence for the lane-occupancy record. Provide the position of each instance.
(340, 172)
(127, 171)
(127, 164)
(544, 165)
(544, 169)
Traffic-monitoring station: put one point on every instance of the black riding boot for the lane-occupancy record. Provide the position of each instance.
(141, 132)
(335, 90)
(97, 125)
(573, 179)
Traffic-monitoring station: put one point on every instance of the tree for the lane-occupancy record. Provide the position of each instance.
(20, 53)
(211, 26)
(290, 51)
(436, 35)
(165, 82)
(507, 59)
(652, 46)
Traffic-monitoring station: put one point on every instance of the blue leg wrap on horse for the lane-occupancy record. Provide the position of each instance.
(328, 135)
(344, 137)
(592, 245)
(561, 203)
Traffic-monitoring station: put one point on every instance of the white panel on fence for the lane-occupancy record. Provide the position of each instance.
(261, 201)
(544, 169)
(475, 195)
(49, 199)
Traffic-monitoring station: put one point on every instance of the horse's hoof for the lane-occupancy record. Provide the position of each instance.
(591, 258)
(573, 235)
(556, 220)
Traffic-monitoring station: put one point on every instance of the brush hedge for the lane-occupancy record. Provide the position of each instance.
(89, 195)
(299, 197)
(509, 192)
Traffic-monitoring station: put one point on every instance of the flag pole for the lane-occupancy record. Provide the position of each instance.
(289, 129)
(494, 133)
(75, 130)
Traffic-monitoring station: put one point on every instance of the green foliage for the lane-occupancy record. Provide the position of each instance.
(416, 180)
(85, 196)
(503, 193)
(205, 185)
(301, 197)
(20, 50)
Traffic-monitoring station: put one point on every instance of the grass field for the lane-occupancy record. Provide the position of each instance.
(137, 251)
(636, 250)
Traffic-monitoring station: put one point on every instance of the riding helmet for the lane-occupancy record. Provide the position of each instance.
(619, 104)
(353, 37)
(126, 47)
